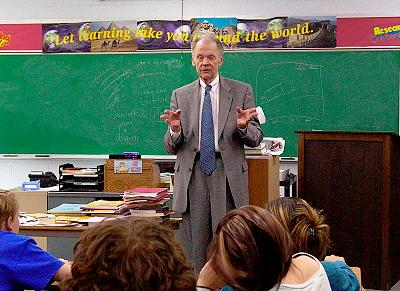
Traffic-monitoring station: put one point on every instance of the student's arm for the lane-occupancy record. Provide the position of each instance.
(63, 273)
(37, 268)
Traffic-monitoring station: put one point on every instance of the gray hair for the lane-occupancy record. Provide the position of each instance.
(207, 37)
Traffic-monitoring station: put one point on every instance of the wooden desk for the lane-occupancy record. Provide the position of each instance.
(73, 231)
(263, 177)
(50, 231)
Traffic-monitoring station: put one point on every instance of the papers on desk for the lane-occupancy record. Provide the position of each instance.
(273, 146)
(42, 219)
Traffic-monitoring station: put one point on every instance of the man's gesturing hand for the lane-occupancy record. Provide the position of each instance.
(173, 119)
(243, 116)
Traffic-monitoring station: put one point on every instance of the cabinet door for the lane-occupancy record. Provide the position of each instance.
(345, 179)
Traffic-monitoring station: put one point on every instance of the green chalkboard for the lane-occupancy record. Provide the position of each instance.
(109, 103)
(333, 90)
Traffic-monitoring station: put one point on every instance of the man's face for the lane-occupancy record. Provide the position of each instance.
(206, 59)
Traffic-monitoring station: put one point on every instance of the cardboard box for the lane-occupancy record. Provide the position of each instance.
(120, 182)
(33, 202)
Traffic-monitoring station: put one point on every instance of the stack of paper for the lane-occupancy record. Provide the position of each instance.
(148, 202)
(66, 208)
(104, 207)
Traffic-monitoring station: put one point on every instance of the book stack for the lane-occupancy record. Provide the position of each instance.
(166, 181)
(105, 208)
(81, 179)
(148, 202)
(261, 149)
(270, 146)
(66, 209)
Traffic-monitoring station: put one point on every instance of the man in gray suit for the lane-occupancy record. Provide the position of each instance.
(210, 121)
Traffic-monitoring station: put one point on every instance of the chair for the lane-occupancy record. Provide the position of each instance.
(291, 180)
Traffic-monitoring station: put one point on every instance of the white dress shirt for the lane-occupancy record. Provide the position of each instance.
(214, 94)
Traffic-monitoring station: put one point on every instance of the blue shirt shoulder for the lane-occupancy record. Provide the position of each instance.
(23, 264)
(340, 276)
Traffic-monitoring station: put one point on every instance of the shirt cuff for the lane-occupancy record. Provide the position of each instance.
(174, 135)
(242, 131)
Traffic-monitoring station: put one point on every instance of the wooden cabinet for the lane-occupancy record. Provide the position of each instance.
(354, 178)
(263, 179)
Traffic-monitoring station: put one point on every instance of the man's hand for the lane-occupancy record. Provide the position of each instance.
(243, 116)
(173, 119)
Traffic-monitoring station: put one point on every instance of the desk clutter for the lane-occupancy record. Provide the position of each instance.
(143, 202)
(81, 179)
(269, 146)
(119, 173)
(119, 176)
(116, 175)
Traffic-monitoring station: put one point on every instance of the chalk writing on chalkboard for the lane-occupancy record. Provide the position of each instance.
(297, 85)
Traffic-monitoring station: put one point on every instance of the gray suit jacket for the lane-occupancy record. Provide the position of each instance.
(230, 140)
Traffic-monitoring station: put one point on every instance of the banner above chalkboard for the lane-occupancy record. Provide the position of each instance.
(20, 37)
(310, 32)
(368, 32)
(122, 36)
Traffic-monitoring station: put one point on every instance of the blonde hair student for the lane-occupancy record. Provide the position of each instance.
(23, 265)
(310, 234)
(305, 224)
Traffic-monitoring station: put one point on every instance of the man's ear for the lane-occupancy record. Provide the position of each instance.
(193, 64)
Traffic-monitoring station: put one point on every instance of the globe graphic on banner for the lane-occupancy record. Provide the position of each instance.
(84, 31)
(243, 30)
(276, 24)
(184, 35)
(49, 40)
(144, 28)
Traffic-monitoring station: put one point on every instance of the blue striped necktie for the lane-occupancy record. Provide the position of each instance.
(207, 144)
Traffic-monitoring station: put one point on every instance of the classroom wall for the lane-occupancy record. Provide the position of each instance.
(14, 171)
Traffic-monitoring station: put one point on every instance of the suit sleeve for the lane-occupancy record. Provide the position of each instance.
(252, 135)
(173, 143)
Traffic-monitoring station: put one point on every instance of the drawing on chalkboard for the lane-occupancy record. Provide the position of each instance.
(298, 85)
(111, 85)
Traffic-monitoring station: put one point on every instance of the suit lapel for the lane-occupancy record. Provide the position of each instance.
(225, 101)
(194, 105)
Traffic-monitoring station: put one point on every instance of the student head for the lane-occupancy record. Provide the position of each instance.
(9, 211)
(207, 56)
(250, 249)
(305, 224)
(129, 254)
